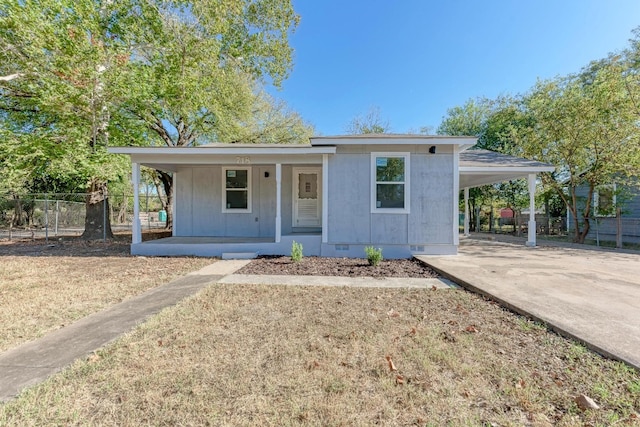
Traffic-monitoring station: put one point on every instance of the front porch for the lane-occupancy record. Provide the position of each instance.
(217, 246)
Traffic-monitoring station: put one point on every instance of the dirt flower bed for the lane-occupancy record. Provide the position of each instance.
(344, 267)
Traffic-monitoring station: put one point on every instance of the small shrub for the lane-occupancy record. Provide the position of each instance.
(296, 251)
(374, 256)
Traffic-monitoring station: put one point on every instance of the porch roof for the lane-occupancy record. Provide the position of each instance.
(171, 158)
(482, 167)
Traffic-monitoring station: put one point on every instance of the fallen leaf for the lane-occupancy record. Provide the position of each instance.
(393, 313)
(392, 367)
(399, 379)
(160, 343)
(413, 331)
(520, 384)
(313, 365)
(434, 288)
(471, 329)
(584, 402)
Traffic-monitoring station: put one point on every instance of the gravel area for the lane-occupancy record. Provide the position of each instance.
(344, 267)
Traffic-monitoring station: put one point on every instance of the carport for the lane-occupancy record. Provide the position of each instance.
(483, 167)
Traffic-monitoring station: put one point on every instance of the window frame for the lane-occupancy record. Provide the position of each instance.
(596, 201)
(374, 182)
(225, 209)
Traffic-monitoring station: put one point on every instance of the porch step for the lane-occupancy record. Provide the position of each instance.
(239, 255)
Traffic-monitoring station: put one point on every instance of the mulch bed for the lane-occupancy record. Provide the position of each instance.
(344, 267)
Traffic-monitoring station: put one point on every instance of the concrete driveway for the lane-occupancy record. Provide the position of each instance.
(591, 295)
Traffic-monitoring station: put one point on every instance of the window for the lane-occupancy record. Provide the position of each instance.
(236, 190)
(390, 178)
(604, 200)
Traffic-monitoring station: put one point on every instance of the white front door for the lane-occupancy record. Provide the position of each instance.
(307, 197)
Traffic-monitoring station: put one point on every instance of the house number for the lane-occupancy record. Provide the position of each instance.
(243, 160)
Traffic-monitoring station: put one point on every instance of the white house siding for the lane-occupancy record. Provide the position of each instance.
(431, 218)
(349, 219)
(199, 204)
(426, 229)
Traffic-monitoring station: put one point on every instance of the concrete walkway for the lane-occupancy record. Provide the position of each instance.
(590, 295)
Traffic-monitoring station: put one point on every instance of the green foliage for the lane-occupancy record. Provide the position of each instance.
(296, 251)
(584, 124)
(78, 75)
(374, 256)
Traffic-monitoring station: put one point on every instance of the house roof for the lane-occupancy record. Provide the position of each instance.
(394, 138)
(482, 167)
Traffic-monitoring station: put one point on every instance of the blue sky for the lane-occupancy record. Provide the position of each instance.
(414, 59)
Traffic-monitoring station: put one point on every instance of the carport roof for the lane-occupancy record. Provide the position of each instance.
(482, 167)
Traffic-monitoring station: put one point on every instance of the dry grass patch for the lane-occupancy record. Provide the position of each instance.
(45, 287)
(269, 355)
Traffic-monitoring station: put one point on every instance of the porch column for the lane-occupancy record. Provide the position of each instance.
(136, 235)
(278, 202)
(466, 211)
(325, 198)
(531, 240)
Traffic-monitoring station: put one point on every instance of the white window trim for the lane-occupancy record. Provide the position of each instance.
(224, 189)
(407, 179)
(596, 200)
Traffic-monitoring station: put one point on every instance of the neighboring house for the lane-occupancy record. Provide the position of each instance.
(336, 195)
(605, 203)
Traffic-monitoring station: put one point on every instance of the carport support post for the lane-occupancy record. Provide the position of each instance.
(531, 241)
(278, 202)
(466, 211)
(325, 198)
(136, 236)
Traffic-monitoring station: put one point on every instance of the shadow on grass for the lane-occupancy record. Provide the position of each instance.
(75, 246)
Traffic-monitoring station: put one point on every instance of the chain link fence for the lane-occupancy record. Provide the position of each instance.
(56, 215)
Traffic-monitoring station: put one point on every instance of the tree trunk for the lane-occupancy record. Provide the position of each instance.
(97, 225)
(167, 204)
(17, 208)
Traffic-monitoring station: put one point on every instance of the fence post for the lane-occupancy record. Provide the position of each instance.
(57, 216)
(46, 218)
(104, 218)
(618, 228)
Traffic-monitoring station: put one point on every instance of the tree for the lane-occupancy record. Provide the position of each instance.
(586, 125)
(491, 122)
(78, 75)
(370, 122)
(198, 64)
(55, 105)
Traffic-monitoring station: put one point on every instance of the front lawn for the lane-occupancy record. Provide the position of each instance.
(275, 355)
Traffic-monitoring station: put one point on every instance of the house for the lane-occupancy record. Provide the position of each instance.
(606, 200)
(336, 195)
